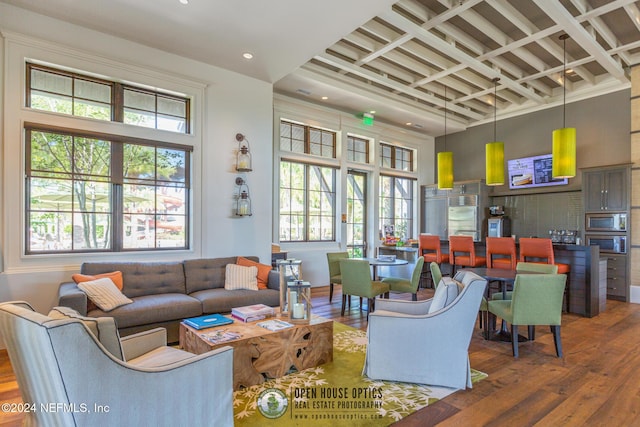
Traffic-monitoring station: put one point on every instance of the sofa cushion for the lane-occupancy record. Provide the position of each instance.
(263, 271)
(207, 273)
(143, 278)
(104, 294)
(153, 309)
(445, 293)
(103, 328)
(240, 277)
(220, 300)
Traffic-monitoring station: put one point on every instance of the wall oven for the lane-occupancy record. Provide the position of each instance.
(608, 243)
(606, 221)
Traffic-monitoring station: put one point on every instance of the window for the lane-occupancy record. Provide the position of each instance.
(396, 158)
(357, 149)
(104, 193)
(307, 202)
(396, 205)
(308, 140)
(60, 91)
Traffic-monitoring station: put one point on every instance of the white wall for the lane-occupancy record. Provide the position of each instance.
(225, 103)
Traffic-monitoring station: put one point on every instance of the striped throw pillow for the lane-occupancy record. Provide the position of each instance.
(104, 293)
(241, 277)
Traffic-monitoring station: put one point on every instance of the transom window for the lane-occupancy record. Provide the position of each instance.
(357, 149)
(307, 202)
(299, 138)
(95, 192)
(65, 92)
(396, 157)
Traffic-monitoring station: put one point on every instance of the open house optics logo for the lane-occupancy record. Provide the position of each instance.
(272, 403)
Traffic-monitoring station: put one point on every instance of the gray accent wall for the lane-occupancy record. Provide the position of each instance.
(603, 127)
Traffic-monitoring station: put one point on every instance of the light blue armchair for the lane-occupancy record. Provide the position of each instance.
(59, 360)
(418, 342)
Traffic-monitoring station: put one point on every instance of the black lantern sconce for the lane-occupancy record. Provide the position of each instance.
(243, 160)
(243, 202)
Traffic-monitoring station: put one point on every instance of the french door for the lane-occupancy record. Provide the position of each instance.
(356, 220)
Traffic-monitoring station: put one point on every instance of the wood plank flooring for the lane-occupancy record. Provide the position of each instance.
(595, 384)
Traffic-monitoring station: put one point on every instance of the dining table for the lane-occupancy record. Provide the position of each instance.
(383, 262)
(505, 277)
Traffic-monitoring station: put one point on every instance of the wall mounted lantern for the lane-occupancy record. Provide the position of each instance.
(243, 160)
(243, 202)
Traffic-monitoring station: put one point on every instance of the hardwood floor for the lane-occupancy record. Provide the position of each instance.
(595, 384)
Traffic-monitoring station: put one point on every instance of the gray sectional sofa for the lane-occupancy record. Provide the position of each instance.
(164, 293)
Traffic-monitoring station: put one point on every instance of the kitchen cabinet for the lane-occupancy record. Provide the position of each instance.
(616, 276)
(605, 189)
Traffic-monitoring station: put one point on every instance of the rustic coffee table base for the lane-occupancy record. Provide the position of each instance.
(260, 354)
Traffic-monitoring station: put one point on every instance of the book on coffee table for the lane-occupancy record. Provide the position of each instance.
(207, 321)
(253, 312)
(220, 336)
(275, 324)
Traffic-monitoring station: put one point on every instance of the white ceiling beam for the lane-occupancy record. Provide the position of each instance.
(437, 43)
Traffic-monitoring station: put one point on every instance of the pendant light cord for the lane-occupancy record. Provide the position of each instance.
(495, 106)
(564, 81)
(445, 118)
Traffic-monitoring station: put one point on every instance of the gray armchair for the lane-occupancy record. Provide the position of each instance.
(411, 342)
(60, 361)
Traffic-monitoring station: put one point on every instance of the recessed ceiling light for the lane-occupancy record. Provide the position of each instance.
(247, 55)
(408, 123)
(372, 111)
(324, 98)
(184, 1)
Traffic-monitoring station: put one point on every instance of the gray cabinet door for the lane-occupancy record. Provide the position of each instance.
(616, 190)
(605, 190)
(593, 183)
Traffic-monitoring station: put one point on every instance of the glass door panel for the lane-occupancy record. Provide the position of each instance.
(356, 214)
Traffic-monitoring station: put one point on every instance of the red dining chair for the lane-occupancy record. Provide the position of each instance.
(429, 248)
(533, 249)
(464, 245)
(505, 249)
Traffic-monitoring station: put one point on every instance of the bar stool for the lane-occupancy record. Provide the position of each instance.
(505, 248)
(429, 248)
(464, 244)
(533, 249)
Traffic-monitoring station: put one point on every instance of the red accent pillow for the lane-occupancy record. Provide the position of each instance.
(263, 271)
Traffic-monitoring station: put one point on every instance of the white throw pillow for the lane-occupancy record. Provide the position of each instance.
(445, 293)
(104, 293)
(241, 277)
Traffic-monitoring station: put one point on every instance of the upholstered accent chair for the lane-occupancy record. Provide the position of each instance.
(536, 300)
(333, 259)
(402, 285)
(138, 379)
(426, 342)
(356, 281)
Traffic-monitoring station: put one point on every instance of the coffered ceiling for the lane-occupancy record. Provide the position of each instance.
(420, 56)
(406, 60)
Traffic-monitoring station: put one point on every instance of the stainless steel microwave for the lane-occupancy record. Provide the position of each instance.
(606, 221)
(608, 243)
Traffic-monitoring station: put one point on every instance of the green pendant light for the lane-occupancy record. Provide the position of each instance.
(564, 140)
(445, 158)
(494, 151)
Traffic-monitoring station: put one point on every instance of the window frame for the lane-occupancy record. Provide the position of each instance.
(117, 95)
(351, 151)
(117, 183)
(410, 209)
(394, 157)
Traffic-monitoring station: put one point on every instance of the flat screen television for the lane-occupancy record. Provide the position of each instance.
(530, 172)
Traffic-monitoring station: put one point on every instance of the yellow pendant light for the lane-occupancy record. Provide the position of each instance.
(563, 163)
(445, 158)
(494, 151)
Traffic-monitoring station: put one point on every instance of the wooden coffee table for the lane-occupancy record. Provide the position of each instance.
(260, 354)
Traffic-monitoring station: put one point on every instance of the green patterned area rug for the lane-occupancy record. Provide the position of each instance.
(336, 393)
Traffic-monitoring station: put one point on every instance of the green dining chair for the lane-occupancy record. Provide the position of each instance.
(436, 274)
(528, 267)
(401, 285)
(536, 300)
(356, 281)
(333, 258)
